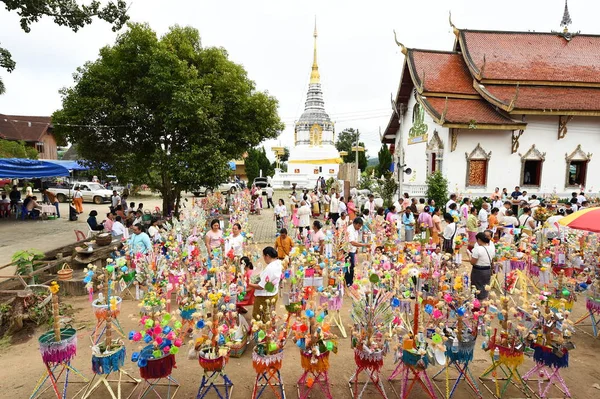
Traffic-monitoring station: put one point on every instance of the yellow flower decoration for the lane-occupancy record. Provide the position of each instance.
(54, 287)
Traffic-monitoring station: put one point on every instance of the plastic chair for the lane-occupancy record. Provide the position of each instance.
(79, 235)
(91, 232)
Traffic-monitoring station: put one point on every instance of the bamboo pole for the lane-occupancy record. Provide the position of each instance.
(108, 341)
(56, 315)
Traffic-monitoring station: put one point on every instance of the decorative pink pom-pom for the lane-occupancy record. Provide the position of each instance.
(137, 336)
(166, 349)
(157, 330)
(178, 342)
(448, 298)
(476, 303)
(437, 314)
(159, 340)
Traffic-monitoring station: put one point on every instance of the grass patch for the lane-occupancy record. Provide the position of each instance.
(5, 342)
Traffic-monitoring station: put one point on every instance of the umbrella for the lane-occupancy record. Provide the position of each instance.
(585, 219)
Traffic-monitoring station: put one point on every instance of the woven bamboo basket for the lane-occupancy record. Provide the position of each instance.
(103, 239)
(65, 272)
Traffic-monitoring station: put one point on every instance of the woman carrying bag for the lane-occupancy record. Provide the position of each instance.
(481, 259)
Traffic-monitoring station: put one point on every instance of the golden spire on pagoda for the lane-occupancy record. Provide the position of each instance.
(315, 77)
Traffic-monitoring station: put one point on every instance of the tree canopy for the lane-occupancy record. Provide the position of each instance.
(165, 111)
(385, 161)
(16, 149)
(65, 13)
(255, 162)
(437, 188)
(345, 141)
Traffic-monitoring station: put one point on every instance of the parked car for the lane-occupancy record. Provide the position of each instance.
(223, 188)
(92, 192)
(261, 183)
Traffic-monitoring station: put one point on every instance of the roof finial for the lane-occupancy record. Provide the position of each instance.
(315, 77)
(566, 19)
(454, 28)
(402, 47)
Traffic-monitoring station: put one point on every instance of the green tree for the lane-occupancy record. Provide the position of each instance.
(286, 155)
(387, 189)
(65, 13)
(165, 111)
(257, 161)
(345, 141)
(16, 149)
(385, 161)
(437, 188)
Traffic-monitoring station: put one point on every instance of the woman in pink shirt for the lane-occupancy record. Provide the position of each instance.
(214, 238)
(425, 222)
(317, 238)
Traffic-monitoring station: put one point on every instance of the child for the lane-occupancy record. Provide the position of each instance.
(257, 205)
(248, 270)
(295, 219)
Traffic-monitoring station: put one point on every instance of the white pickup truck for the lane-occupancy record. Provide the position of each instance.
(92, 192)
(222, 188)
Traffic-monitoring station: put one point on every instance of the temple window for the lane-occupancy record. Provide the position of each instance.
(435, 154)
(477, 167)
(531, 167)
(577, 165)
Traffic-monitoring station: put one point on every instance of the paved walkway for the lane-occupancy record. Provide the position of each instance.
(263, 225)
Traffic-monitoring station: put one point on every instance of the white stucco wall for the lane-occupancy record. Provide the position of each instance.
(504, 168)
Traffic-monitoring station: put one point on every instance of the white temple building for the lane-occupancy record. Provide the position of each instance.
(500, 109)
(314, 153)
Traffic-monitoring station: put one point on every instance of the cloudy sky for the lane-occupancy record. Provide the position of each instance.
(359, 62)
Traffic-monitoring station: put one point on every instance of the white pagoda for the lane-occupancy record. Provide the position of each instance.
(314, 153)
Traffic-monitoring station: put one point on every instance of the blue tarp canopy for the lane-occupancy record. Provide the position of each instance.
(21, 168)
(70, 165)
(232, 165)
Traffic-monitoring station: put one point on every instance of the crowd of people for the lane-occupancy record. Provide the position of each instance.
(500, 216)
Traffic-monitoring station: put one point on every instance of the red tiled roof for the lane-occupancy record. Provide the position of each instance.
(440, 71)
(465, 111)
(532, 56)
(26, 128)
(546, 97)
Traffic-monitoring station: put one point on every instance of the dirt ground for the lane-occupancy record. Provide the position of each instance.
(21, 364)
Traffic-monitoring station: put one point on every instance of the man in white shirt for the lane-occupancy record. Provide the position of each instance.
(534, 202)
(269, 191)
(115, 200)
(118, 229)
(581, 198)
(502, 211)
(354, 238)
(342, 205)
(334, 207)
(483, 216)
(342, 222)
(523, 197)
(452, 200)
(497, 203)
(304, 217)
